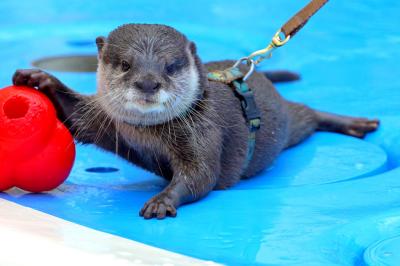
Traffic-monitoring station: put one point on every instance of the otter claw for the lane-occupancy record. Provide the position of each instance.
(158, 207)
(35, 78)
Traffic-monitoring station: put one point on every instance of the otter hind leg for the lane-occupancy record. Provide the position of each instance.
(302, 122)
(352, 126)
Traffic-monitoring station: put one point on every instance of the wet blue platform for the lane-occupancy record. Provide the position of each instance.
(333, 200)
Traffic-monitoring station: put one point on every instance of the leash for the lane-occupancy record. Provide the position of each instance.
(237, 80)
(288, 30)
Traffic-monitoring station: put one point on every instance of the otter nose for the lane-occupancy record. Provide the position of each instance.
(148, 85)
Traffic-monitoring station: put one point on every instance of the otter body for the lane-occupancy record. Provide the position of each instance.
(156, 108)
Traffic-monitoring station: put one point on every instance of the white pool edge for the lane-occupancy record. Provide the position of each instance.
(31, 237)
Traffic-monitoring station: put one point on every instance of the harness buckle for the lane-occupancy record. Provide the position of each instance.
(249, 106)
(247, 100)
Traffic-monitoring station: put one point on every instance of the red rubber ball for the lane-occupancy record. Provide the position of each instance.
(37, 151)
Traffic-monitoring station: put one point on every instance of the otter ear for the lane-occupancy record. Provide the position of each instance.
(100, 41)
(193, 48)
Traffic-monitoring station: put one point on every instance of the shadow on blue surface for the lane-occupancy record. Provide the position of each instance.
(333, 200)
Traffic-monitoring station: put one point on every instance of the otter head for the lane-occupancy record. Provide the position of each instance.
(147, 74)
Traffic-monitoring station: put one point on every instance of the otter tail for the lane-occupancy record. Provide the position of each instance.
(281, 76)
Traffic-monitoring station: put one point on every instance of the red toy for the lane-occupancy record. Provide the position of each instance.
(36, 150)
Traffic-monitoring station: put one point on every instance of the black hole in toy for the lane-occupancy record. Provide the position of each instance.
(102, 170)
(69, 63)
(16, 107)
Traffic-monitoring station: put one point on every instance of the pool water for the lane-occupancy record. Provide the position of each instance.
(333, 200)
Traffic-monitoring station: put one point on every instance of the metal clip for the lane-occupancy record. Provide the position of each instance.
(250, 62)
(277, 40)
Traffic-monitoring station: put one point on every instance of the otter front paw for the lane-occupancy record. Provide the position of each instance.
(159, 207)
(37, 78)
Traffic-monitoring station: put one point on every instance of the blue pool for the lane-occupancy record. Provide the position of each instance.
(333, 200)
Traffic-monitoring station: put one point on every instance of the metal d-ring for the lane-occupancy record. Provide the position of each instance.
(249, 62)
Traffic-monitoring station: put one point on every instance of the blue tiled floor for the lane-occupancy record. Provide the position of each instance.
(333, 200)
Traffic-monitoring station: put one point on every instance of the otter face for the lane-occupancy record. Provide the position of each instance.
(147, 74)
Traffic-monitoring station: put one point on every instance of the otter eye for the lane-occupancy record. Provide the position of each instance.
(174, 67)
(125, 66)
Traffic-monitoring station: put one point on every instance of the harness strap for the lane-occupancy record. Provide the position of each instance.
(226, 76)
(251, 113)
(234, 77)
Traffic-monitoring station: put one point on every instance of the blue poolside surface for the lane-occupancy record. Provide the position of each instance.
(332, 200)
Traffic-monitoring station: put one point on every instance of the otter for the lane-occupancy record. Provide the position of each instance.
(156, 108)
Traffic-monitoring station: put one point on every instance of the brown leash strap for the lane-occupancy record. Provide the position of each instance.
(300, 19)
(288, 30)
